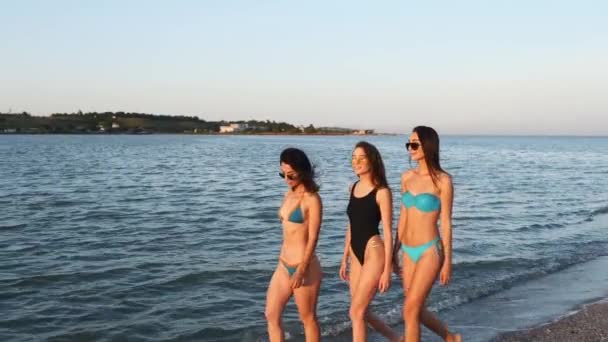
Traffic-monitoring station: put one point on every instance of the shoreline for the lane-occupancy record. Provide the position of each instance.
(210, 134)
(508, 315)
(542, 136)
(588, 323)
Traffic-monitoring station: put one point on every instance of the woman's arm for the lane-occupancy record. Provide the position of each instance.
(402, 223)
(447, 197)
(385, 203)
(346, 243)
(343, 265)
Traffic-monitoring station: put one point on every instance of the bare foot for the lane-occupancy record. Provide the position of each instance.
(398, 339)
(454, 338)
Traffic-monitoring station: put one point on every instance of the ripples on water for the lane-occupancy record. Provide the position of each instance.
(162, 237)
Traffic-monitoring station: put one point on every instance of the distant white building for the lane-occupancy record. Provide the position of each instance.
(238, 126)
(226, 129)
(363, 132)
(115, 125)
(233, 127)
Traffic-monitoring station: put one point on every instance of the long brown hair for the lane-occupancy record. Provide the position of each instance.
(298, 161)
(377, 165)
(429, 139)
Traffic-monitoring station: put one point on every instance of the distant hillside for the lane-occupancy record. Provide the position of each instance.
(123, 122)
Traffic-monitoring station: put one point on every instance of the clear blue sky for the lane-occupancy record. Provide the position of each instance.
(489, 67)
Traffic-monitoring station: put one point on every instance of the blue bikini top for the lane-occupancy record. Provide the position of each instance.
(425, 202)
(296, 216)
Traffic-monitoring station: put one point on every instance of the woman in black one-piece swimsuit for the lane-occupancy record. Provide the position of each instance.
(370, 257)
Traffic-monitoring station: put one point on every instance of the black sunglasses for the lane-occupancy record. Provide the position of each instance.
(414, 146)
(290, 176)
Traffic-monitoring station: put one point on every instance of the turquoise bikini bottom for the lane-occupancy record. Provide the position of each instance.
(416, 252)
(290, 269)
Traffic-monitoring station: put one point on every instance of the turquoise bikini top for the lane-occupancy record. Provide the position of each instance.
(425, 202)
(296, 216)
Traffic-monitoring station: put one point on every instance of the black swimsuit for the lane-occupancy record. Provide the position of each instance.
(364, 216)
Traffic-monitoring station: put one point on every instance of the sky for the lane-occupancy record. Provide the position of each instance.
(462, 67)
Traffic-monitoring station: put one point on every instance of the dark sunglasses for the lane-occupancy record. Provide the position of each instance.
(290, 177)
(414, 146)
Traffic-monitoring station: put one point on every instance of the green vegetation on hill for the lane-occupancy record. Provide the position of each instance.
(121, 122)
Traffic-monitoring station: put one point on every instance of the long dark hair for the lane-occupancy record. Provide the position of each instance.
(298, 161)
(429, 139)
(375, 159)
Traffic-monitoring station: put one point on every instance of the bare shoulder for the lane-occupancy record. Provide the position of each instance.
(384, 191)
(312, 197)
(406, 176)
(383, 194)
(445, 181)
(445, 177)
(312, 200)
(351, 186)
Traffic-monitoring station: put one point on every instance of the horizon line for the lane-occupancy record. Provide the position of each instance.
(377, 131)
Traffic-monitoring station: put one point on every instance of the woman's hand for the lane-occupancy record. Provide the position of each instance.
(385, 281)
(396, 268)
(343, 273)
(446, 273)
(297, 278)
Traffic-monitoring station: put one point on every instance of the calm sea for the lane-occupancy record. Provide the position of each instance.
(174, 238)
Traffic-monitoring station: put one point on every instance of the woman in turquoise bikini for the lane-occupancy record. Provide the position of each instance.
(298, 272)
(427, 195)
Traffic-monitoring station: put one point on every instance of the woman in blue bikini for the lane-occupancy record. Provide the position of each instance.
(298, 272)
(427, 195)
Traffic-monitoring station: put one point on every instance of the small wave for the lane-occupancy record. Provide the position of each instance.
(133, 199)
(600, 211)
(215, 334)
(336, 328)
(64, 203)
(475, 218)
(103, 214)
(536, 226)
(79, 336)
(228, 277)
(13, 226)
(21, 247)
(72, 278)
(494, 264)
(572, 213)
(501, 203)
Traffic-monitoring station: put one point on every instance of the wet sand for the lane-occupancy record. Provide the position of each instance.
(590, 324)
